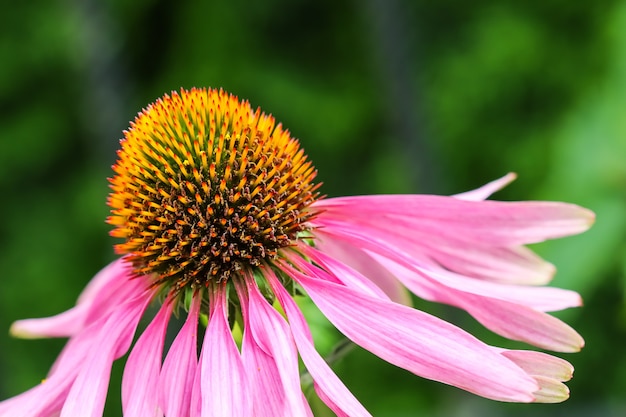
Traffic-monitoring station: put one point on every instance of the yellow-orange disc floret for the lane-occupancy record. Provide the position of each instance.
(205, 186)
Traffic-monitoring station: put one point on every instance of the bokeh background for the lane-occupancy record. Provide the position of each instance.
(386, 96)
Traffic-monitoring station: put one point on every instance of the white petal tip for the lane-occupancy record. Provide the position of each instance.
(20, 331)
(550, 391)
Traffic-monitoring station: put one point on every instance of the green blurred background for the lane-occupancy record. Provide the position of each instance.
(385, 96)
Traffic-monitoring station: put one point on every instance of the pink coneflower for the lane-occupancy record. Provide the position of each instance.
(222, 223)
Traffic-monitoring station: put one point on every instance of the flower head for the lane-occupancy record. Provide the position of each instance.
(220, 217)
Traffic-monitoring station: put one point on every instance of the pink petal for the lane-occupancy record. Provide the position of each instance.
(268, 393)
(514, 264)
(495, 222)
(195, 406)
(418, 342)
(141, 374)
(177, 375)
(223, 379)
(506, 310)
(332, 391)
(264, 376)
(101, 295)
(541, 364)
(88, 393)
(362, 262)
(539, 298)
(518, 322)
(340, 273)
(272, 334)
(486, 190)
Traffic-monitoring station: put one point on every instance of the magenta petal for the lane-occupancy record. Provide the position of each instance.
(272, 334)
(340, 273)
(179, 368)
(332, 391)
(141, 374)
(88, 393)
(224, 387)
(265, 381)
(269, 396)
(420, 343)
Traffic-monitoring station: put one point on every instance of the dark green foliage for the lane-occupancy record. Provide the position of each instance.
(397, 96)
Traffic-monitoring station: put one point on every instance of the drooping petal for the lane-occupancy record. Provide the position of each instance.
(550, 391)
(539, 363)
(518, 322)
(268, 393)
(179, 368)
(223, 381)
(329, 387)
(418, 342)
(88, 393)
(265, 379)
(48, 397)
(494, 305)
(548, 371)
(141, 374)
(486, 190)
(539, 298)
(101, 294)
(272, 334)
(507, 310)
(195, 406)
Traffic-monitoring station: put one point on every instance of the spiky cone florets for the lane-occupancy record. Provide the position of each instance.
(205, 186)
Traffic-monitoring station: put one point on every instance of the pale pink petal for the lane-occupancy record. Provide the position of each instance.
(61, 325)
(141, 373)
(223, 379)
(518, 322)
(504, 310)
(101, 294)
(486, 190)
(539, 363)
(48, 397)
(409, 271)
(539, 298)
(179, 368)
(514, 264)
(330, 388)
(272, 334)
(495, 222)
(418, 342)
(88, 393)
